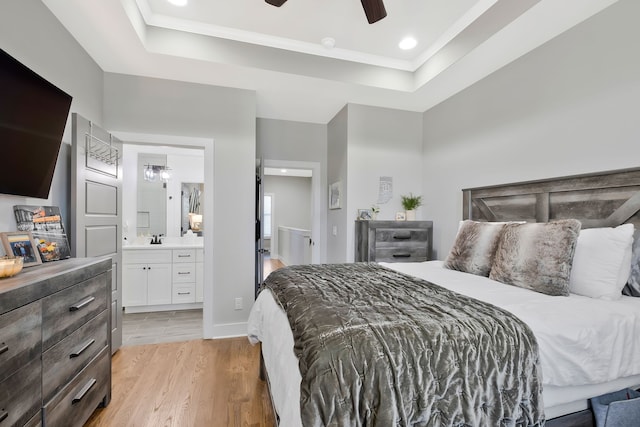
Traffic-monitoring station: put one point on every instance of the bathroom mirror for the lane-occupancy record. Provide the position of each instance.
(152, 195)
(192, 194)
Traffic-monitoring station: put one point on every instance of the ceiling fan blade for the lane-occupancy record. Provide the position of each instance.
(374, 9)
(276, 3)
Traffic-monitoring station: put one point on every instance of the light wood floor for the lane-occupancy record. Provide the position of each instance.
(197, 383)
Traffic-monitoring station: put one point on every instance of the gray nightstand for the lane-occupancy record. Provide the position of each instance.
(393, 241)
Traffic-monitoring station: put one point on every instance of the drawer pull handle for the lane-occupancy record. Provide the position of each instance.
(4, 348)
(402, 236)
(184, 256)
(3, 415)
(81, 304)
(184, 293)
(184, 272)
(402, 255)
(84, 391)
(81, 349)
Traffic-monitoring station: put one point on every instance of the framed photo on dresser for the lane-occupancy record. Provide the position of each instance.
(21, 243)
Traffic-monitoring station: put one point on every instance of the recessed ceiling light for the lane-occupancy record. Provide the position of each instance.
(178, 2)
(283, 170)
(407, 43)
(328, 42)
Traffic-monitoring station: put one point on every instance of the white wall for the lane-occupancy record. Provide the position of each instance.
(165, 107)
(32, 35)
(291, 204)
(568, 107)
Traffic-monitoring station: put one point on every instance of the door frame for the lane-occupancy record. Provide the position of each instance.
(316, 200)
(208, 145)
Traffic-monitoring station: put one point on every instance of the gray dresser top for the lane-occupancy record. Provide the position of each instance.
(36, 282)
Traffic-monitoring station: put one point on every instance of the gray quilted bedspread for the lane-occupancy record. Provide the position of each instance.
(380, 348)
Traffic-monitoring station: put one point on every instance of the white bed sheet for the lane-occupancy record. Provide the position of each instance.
(587, 346)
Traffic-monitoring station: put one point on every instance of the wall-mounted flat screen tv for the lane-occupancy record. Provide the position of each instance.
(33, 114)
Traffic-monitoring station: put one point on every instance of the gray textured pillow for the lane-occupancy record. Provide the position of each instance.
(537, 256)
(474, 247)
(632, 287)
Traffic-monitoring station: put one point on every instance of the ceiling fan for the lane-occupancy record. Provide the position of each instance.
(374, 9)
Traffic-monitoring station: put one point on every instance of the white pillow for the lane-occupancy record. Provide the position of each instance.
(602, 262)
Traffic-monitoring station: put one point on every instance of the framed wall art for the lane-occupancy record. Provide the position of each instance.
(335, 196)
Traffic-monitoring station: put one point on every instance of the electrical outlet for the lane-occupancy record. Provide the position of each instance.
(334, 231)
(238, 303)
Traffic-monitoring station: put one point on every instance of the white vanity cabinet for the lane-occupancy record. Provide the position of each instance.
(146, 277)
(184, 276)
(158, 278)
(199, 275)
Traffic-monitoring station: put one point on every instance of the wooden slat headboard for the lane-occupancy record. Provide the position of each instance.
(603, 199)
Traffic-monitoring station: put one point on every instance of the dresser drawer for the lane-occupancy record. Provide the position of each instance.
(184, 294)
(36, 421)
(67, 310)
(184, 255)
(390, 236)
(20, 397)
(184, 273)
(64, 360)
(77, 401)
(20, 337)
(394, 254)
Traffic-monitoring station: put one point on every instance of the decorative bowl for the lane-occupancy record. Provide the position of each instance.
(10, 266)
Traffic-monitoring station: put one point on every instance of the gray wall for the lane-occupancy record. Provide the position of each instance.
(337, 171)
(381, 142)
(292, 204)
(568, 107)
(166, 107)
(32, 35)
(282, 140)
(366, 143)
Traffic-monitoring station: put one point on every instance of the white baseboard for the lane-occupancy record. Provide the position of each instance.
(228, 330)
(166, 307)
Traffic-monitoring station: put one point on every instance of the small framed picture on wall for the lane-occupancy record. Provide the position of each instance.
(20, 243)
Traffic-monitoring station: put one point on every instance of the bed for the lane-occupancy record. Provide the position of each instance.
(585, 345)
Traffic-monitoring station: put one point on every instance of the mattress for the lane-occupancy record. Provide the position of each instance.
(587, 346)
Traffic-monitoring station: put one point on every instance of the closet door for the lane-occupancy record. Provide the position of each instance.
(96, 206)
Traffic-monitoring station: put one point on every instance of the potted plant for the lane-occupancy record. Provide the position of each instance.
(374, 211)
(410, 203)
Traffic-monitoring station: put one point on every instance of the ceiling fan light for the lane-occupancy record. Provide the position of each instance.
(374, 9)
(407, 43)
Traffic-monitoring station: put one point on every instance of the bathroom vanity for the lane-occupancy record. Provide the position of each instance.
(162, 277)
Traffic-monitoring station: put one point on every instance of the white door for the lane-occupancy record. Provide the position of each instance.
(96, 206)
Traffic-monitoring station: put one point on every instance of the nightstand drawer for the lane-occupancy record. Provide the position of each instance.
(20, 397)
(20, 337)
(417, 254)
(184, 273)
(67, 310)
(77, 401)
(64, 360)
(387, 236)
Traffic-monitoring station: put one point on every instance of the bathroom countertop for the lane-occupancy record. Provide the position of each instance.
(169, 243)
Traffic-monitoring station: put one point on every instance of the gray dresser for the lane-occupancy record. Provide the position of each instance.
(393, 241)
(55, 346)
